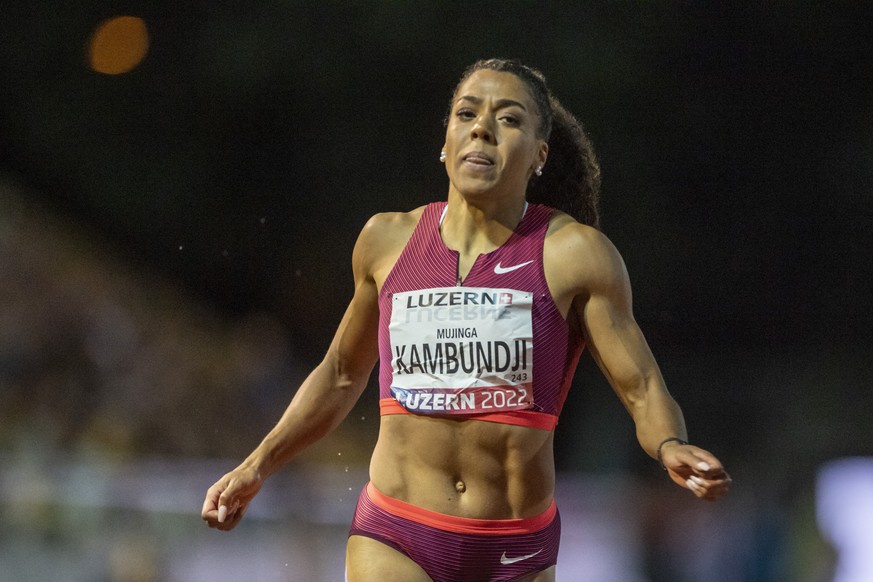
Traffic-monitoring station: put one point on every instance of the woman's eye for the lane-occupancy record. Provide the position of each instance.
(510, 119)
(465, 114)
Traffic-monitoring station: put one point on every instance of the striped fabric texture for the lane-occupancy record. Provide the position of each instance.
(452, 549)
(427, 263)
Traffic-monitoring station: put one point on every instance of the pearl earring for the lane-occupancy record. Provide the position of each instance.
(539, 171)
(443, 156)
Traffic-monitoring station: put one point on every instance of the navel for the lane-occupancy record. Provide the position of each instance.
(460, 486)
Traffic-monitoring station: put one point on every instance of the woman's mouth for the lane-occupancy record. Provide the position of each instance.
(479, 159)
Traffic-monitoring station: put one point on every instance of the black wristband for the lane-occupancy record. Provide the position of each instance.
(664, 442)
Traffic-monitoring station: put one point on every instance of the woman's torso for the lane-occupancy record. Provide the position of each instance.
(457, 465)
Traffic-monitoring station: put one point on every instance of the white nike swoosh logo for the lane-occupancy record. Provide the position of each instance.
(507, 561)
(502, 270)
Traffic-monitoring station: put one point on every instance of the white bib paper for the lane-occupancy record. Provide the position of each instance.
(462, 350)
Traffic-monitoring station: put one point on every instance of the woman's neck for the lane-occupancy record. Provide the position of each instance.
(473, 228)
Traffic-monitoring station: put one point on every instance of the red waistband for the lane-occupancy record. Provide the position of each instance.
(456, 524)
(528, 418)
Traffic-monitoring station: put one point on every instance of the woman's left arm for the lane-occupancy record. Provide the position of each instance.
(602, 304)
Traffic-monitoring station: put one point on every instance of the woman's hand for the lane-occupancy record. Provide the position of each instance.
(696, 470)
(228, 499)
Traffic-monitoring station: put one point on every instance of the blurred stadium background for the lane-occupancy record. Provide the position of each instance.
(180, 190)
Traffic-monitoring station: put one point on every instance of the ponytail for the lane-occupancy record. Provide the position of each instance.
(571, 177)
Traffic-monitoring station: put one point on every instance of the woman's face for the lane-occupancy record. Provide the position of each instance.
(492, 138)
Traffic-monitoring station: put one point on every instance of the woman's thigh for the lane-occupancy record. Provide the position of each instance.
(368, 560)
(547, 575)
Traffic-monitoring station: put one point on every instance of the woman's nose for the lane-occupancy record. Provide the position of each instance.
(482, 130)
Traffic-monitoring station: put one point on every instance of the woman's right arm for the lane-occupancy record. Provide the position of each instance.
(323, 399)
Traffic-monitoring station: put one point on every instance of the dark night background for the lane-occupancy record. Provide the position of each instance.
(209, 200)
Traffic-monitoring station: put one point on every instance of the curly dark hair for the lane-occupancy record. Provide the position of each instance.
(571, 179)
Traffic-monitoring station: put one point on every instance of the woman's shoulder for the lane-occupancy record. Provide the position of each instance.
(385, 234)
(581, 252)
(569, 234)
(388, 227)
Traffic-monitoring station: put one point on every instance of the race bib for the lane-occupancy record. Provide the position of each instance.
(462, 350)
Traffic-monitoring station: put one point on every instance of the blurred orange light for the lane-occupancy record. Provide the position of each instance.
(118, 45)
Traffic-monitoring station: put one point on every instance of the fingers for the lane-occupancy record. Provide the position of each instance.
(225, 517)
(695, 485)
(698, 471)
(210, 504)
(220, 504)
(699, 461)
(706, 464)
(227, 507)
(709, 489)
(227, 500)
(231, 515)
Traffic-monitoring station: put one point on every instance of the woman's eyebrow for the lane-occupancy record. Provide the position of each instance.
(500, 102)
